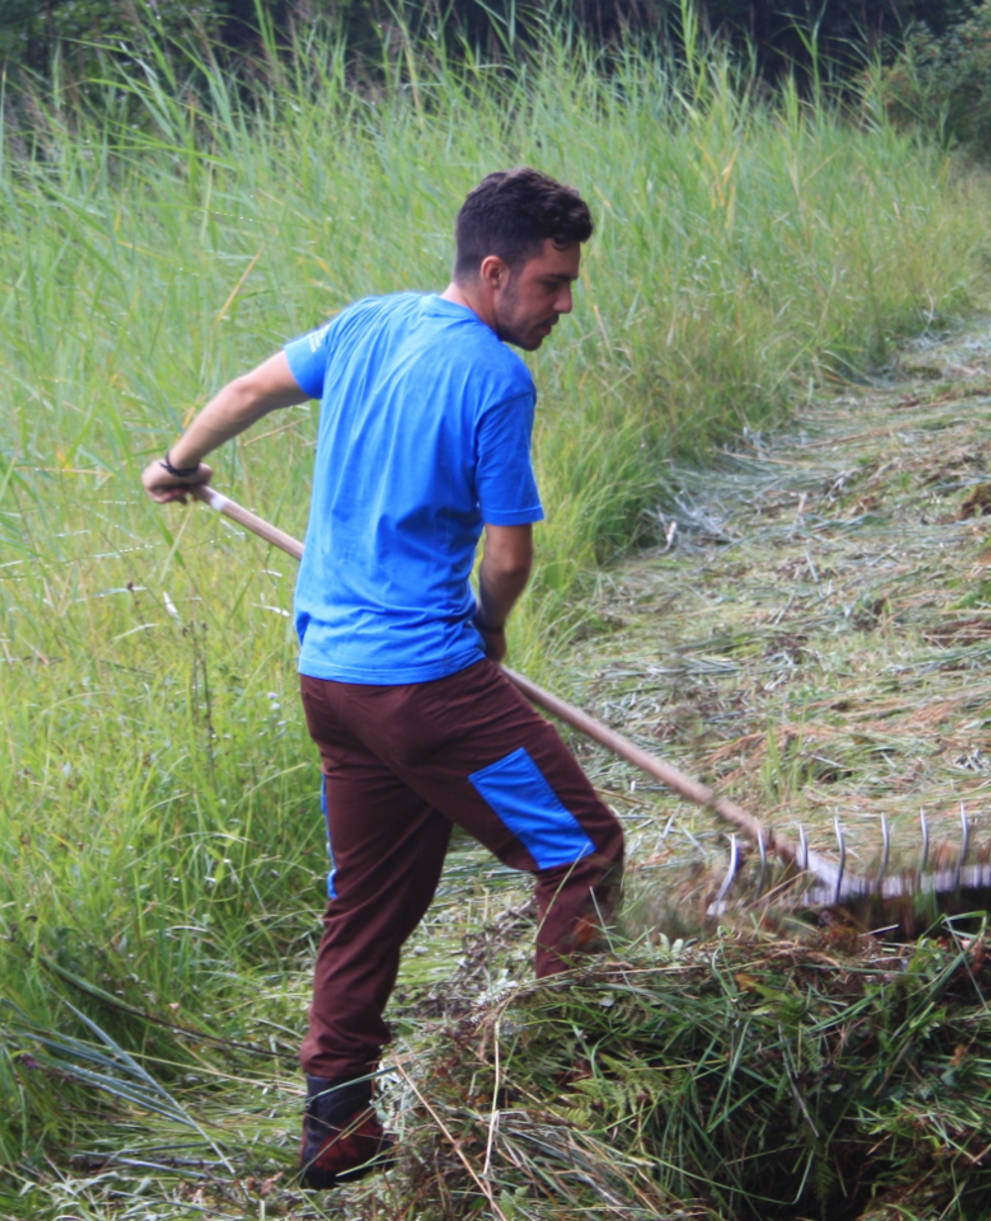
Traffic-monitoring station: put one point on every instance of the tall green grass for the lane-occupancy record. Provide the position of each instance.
(161, 841)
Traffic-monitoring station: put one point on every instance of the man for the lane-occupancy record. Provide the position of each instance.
(424, 441)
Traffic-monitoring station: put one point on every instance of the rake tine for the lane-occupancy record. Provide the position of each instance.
(964, 843)
(841, 846)
(734, 865)
(925, 842)
(803, 848)
(762, 850)
(885, 850)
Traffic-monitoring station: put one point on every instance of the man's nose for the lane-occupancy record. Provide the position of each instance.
(564, 303)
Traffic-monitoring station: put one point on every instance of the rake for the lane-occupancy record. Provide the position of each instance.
(961, 887)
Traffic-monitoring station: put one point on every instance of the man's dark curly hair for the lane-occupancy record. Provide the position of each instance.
(511, 213)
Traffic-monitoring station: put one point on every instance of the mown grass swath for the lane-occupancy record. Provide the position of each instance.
(746, 1078)
(162, 850)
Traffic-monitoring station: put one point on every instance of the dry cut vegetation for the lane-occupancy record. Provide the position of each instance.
(814, 640)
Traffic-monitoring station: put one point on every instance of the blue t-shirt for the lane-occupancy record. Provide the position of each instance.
(424, 437)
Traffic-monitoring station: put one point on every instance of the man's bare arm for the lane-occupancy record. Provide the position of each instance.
(233, 409)
(507, 557)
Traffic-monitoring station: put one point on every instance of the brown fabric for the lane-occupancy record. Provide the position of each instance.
(396, 763)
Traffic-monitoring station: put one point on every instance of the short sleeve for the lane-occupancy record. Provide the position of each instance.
(505, 482)
(308, 358)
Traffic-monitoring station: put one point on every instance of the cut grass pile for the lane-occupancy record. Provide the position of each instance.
(744, 1077)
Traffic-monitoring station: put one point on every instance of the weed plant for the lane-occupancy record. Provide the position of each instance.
(162, 851)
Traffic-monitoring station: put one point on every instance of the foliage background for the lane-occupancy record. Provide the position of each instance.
(170, 215)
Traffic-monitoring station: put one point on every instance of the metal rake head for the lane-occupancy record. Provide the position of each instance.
(956, 887)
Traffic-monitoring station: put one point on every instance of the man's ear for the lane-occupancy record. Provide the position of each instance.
(493, 272)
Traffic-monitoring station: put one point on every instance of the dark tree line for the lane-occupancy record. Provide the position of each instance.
(30, 30)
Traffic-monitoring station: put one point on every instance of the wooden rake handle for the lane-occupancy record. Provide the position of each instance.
(250, 521)
(694, 791)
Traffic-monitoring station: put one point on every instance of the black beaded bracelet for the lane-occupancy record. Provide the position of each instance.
(178, 472)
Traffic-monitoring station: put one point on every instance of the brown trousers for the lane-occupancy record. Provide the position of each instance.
(401, 765)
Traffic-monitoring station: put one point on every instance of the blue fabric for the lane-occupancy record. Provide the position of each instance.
(331, 873)
(515, 789)
(424, 437)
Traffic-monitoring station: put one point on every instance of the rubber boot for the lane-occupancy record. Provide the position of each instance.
(343, 1139)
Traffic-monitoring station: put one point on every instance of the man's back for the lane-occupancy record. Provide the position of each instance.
(424, 436)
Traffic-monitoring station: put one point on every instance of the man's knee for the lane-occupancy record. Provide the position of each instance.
(610, 842)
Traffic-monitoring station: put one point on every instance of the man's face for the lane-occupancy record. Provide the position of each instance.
(532, 298)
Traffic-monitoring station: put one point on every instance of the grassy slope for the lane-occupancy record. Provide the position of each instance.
(161, 850)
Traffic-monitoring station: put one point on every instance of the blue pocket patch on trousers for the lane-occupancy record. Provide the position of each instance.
(516, 790)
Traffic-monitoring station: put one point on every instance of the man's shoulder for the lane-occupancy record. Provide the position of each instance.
(470, 341)
(434, 333)
(382, 304)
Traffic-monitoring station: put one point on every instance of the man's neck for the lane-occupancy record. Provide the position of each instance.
(462, 294)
